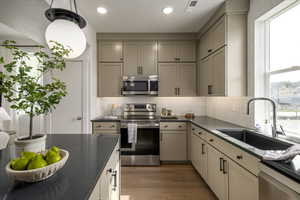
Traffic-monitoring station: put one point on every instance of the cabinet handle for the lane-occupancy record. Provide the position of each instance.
(239, 157)
(211, 140)
(166, 126)
(202, 148)
(193, 129)
(99, 126)
(178, 91)
(221, 164)
(209, 50)
(209, 89)
(113, 126)
(199, 133)
(141, 69)
(179, 126)
(224, 164)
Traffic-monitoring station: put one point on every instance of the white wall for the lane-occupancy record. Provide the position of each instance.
(179, 105)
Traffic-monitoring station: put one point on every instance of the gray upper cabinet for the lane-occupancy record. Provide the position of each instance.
(177, 79)
(110, 51)
(222, 61)
(109, 79)
(176, 51)
(213, 39)
(140, 58)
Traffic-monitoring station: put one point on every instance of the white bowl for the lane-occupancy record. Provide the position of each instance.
(35, 175)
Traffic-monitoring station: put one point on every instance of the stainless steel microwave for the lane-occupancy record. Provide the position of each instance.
(140, 85)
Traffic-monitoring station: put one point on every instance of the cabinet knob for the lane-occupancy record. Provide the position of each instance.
(179, 126)
(211, 140)
(193, 129)
(113, 126)
(166, 126)
(121, 58)
(239, 157)
(199, 133)
(209, 50)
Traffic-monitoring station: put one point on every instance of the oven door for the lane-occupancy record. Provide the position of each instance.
(145, 151)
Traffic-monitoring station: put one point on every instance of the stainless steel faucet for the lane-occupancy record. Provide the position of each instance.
(274, 127)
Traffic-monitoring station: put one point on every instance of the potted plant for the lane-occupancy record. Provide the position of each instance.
(22, 86)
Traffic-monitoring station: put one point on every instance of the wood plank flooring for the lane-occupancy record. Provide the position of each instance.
(167, 182)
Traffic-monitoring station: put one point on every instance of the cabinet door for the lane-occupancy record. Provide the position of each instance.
(109, 79)
(217, 180)
(218, 34)
(203, 49)
(173, 146)
(167, 51)
(196, 152)
(105, 186)
(203, 160)
(186, 51)
(131, 59)
(242, 184)
(148, 58)
(205, 76)
(167, 79)
(218, 62)
(111, 51)
(187, 79)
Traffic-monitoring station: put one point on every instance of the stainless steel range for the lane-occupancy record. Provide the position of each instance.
(141, 123)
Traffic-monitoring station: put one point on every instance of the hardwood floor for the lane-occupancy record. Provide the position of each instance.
(167, 182)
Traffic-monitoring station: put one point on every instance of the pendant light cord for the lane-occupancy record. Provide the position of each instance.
(75, 6)
(51, 3)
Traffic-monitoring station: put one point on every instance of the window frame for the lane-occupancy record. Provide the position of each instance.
(269, 73)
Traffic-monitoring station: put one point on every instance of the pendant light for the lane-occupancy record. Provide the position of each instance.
(66, 29)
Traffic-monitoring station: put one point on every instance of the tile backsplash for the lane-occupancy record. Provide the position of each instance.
(179, 105)
(230, 109)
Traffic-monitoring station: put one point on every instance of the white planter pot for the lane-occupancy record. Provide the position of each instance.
(32, 145)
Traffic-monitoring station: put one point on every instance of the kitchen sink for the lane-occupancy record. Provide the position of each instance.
(256, 140)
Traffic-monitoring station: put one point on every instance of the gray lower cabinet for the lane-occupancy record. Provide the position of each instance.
(177, 79)
(108, 186)
(109, 79)
(230, 172)
(173, 141)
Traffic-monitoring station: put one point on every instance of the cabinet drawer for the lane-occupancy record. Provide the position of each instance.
(178, 126)
(105, 126)
(215, 142)
(242, 158)
(199, 132)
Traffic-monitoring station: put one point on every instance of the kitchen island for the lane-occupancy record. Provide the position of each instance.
(81, 177)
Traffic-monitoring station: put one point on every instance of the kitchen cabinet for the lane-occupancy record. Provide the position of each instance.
(176, 51)
(223, 57)
(242, 184)
(140, 58)
(177, 79)
(106, 128)
(199, 154)
(213, 39)
(108, 185)
(217, 173)
(110, 51)
(173, 141)
(109, 79)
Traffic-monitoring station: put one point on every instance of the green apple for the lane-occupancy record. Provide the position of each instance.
(37, 162)
(20, 163)
(28, 154)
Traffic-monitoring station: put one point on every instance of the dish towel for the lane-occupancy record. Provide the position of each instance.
(282, 155)
(132, 133)
(4, 138)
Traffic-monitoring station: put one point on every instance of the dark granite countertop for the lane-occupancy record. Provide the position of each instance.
(88, 157)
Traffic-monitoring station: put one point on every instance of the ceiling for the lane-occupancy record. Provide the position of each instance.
(145, 16)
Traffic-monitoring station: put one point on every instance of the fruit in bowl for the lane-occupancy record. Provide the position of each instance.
(33, 167)
(30, 160)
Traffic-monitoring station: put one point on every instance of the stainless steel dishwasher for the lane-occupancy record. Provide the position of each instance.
(271, 189)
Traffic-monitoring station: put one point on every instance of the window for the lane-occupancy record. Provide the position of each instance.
(283, 67)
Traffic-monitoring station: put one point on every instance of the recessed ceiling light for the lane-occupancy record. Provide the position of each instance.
(167, 10)
(101, 10)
